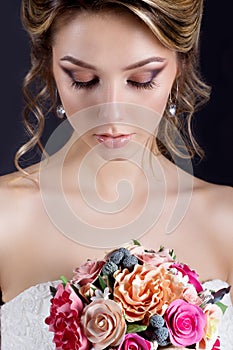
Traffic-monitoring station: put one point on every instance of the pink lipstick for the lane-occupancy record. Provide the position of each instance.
(113, 141)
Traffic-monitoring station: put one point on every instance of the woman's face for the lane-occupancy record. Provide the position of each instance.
(102, 59)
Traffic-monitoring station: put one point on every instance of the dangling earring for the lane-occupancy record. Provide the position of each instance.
(172, 105)
(61, 113)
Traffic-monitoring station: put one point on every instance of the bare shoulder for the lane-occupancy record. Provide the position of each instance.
(218, 199)
(15, 194)
(215, 206)
(14, 187)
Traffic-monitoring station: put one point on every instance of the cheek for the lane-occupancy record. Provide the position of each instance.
(70, 99)
(158, 101)
(70, 103)
(160, 97)
(74, 100)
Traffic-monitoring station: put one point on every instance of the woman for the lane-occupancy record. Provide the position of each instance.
(116, 70)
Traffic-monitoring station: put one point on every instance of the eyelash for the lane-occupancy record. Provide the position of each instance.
(91, 84)
(85, 85)
(146, 86)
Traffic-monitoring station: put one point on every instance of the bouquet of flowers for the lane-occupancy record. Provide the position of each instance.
(135, 299)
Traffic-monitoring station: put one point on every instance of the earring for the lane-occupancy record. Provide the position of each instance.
(61, 112)
(172, 105)
(172, 108)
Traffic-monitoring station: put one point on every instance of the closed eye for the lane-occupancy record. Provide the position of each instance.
(144, 80)
(146, 85)
(85, 84)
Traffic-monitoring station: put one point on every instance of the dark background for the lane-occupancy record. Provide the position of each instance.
(213, 126)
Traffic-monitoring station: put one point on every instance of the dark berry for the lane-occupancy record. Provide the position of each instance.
(109, 268)
(161, 334)
(129, 262)
(116, 257)
(164, 343)
(156, 321)
(125, 251)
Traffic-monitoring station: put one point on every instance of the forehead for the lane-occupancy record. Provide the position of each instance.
(106, 34)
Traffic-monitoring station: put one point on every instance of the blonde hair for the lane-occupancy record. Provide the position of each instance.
(176, 23)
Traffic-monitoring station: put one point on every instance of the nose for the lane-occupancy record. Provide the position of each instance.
(110, 108)
(110, 112)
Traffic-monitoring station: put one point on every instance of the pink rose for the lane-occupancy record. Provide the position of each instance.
(88, 272)
(185, 322)
(104, 323)
(152, 258)
(64, 320)
(133, 341)
(192, 275)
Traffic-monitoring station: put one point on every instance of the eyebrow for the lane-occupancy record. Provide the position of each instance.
(77, 62)
(139, 64)
(144, 62)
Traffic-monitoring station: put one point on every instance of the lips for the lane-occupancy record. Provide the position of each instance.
(113, 141)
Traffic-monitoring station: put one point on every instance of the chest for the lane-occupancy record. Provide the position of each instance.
(48, 254)
(41, 252)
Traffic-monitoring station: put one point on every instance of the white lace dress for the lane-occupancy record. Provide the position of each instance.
(23, 327)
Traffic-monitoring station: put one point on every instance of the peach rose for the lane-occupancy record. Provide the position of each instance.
(152, 258)
(87, 291)
(145, 291)
(104, 323)
(191, 296)
(213, 315)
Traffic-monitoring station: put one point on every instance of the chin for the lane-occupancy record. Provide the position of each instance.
(125, 153)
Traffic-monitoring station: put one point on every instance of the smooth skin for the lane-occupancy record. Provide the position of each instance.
(32, 249)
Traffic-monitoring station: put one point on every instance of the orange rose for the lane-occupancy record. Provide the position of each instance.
(145, 291)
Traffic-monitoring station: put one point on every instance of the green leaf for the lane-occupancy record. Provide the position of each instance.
(135, 328)
(172, 254)
(222, 306)
(102, 283)
(135, 242)
(64, 281)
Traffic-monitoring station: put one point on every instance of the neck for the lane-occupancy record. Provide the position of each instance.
(106, 175)
(116, 193)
